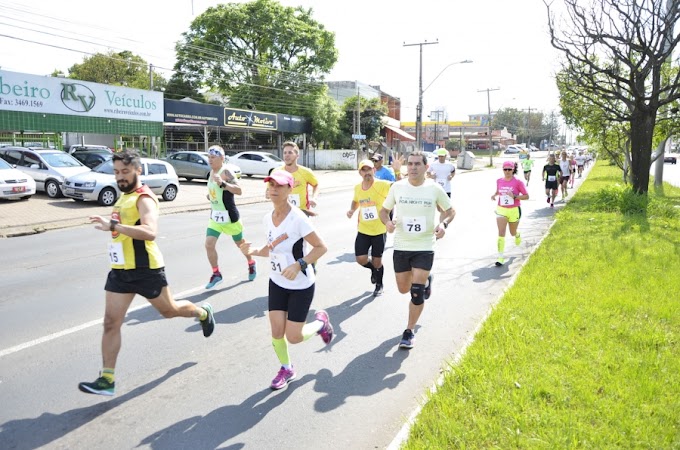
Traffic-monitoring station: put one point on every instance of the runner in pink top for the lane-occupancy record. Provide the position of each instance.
(509, 191)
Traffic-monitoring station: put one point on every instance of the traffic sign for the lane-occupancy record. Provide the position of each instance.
(358, 136)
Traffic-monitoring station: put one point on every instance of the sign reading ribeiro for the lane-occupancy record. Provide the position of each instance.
(55, 95)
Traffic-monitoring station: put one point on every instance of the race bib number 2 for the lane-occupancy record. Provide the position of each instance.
(507, 200)
(116, 255)
(414, 224)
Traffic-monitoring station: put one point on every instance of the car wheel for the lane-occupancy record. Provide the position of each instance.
(52, 189)
(107, 196)
(247, 174)
(170, 193)
(270, 172)
(188, 178)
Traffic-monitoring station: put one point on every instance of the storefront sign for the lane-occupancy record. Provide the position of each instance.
(55, 95)
(250, 119)
(193, 113)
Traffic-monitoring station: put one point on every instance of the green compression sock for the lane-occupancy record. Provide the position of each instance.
(501, 244)
(281, 349)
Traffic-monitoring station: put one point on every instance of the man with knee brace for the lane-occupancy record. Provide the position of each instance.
(415, 233)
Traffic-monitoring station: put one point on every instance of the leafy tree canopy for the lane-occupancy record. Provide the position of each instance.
(261, 55)
(119, 69)
(371, 111)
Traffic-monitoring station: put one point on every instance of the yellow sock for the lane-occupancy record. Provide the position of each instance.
(202, 314)
(501, 244)
(108, 374)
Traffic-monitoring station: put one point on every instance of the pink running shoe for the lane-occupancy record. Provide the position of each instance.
(326, 331)
(282, 378)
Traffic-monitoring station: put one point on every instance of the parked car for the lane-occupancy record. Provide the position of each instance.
(100, 183)
(48, 168)
(256, 162)
(14, 183)
(87, 147)
(670, 159)
(92, 158)
(511, 149)
(192, 165)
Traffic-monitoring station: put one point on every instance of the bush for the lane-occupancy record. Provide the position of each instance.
(619, 198)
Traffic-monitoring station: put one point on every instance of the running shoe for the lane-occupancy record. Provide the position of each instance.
(378, 290)
(518, 240)
(500, 262)
(552, 205)
(407, 339)
(100, 386)
(282, 378)
(208, 324)
(547, 200)
(326, 331)
(428, 287)
(252, 270)
(215, 279)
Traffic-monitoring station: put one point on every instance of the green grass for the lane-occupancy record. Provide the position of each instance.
(583, 351)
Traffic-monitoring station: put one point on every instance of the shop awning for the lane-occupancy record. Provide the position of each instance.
(400, 132)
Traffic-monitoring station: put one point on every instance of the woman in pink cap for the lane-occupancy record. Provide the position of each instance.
(289, 236)
(509, 191)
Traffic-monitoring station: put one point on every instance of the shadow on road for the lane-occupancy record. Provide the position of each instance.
(339, 313)
(344, 258)
(484, 274)
(222, 424)
(366, 375)
(34, 433)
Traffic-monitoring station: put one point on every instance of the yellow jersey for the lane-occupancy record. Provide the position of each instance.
(300, 195)
(370, 203)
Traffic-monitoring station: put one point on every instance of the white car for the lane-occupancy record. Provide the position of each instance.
(14, 183)
(256, 163)
(100, 184)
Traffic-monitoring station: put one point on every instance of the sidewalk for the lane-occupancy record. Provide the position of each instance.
(41, 213)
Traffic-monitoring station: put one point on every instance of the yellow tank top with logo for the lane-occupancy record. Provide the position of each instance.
(128, 253)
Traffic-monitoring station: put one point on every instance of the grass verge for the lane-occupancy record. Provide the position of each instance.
(583, 350)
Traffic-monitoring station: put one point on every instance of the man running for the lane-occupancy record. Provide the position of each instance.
(580, 162)
(527, 164)
(551, 173)
(369, 196)
(415, 231)
(136, 266)
(224, 216)
(304, 178)
(442, 171)
(565, 170)
(382, 172)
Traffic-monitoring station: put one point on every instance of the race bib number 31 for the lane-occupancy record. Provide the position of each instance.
(278, 262)
(116, 255)
(414, 224)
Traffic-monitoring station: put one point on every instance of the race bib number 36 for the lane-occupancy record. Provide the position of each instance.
(116, 255)
(369, 213)
(414, 224)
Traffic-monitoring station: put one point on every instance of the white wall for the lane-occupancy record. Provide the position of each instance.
(336, 159)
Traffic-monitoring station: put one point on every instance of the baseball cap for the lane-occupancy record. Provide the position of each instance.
(377, 157)
(441, 152)
(280, 177)
(366, 162)
(216, 150)
(508, 165)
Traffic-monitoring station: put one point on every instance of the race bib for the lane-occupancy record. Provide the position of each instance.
(441, 182)
(369, 213)
(278, 262)
(116, 255)
(220, 216)
(294, 199)
(507, 200)
(552, 177)
(414, 224)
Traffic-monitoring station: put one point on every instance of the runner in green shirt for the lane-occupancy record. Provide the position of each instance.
(527, 164)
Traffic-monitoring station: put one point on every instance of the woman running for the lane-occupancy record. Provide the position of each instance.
(291, 281)
(572, 165)
(509, 191)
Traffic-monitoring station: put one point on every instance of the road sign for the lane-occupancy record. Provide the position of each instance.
(358, 136)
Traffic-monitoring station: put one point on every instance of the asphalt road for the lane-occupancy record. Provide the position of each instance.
(176, 389)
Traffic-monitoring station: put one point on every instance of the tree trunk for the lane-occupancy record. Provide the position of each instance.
(641, 132)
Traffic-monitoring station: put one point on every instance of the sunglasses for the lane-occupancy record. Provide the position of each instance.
(214, 152)
(508, 170)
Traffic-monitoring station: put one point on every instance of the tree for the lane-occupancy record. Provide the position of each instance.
(615, 53)
(260, 55)
(371, 112)
(119, 69)
(325, 121)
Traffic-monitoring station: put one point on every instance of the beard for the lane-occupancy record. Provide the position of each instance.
(126, 187)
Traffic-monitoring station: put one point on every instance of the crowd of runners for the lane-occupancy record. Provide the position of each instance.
(409, 199)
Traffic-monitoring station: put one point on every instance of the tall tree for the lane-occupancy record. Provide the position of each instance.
(120, 69)
(371, 112)
(614, 53)
(325, 120)
(260, 55)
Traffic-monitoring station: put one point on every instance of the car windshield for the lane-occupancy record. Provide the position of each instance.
(274, 157)
(61, 160)
(4, 164)
(105, 167)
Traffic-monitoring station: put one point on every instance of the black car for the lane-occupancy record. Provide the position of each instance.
(670, 159)
(92, 158)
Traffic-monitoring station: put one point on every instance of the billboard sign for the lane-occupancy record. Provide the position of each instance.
(55, 95)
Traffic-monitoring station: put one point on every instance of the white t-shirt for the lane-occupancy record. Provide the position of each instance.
(415, 213)
(580, 160)
(286, 246)
(565, 168)
(442, 172)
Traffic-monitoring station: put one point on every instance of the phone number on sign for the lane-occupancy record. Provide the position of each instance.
(21, 102)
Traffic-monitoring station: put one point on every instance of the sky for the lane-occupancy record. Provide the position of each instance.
(507, 42)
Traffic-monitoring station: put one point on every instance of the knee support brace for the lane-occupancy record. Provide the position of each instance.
(417, 294)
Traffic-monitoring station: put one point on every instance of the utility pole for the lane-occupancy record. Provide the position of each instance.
(488, 104)
(419, 108)
(528, 136)
(435, 114)
(151, 77)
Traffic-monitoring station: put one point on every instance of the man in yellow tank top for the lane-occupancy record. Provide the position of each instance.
(369, 196)
(137, 266)
(303, 176)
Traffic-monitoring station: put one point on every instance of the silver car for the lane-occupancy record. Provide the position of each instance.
(192, 165)
(14, 183)
(100, 184)
(48, 168)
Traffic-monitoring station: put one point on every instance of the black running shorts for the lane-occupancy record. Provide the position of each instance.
(295, 301)
(146, 282)
(404, 261)
(364, 241)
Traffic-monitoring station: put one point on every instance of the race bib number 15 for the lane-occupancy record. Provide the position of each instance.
(116, 255)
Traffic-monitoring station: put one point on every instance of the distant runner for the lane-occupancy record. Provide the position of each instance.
(442, 171)
(551, 174)
(527, 164)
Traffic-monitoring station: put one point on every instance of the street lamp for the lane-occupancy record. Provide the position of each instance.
(419, 112)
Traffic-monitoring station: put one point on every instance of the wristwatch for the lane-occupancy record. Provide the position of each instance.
(303, 264)
(222, 184)
(113, 223)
